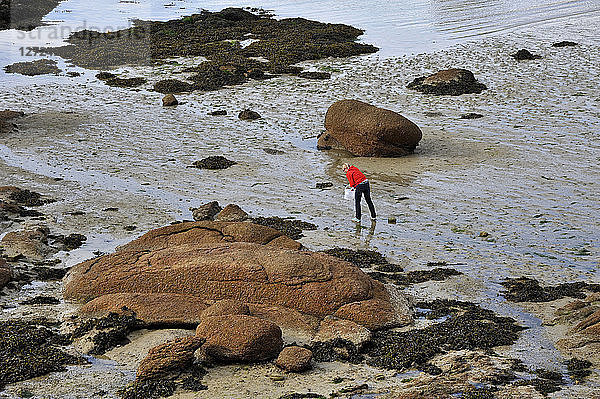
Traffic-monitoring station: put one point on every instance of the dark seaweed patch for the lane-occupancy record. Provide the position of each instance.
(41, 300)
(23, 14)
(44, 273)
(467, 326)
(217, 36)
(336, 349)
(214, 163)
(33, 68)
(109, 331)
(125, 82)
(148, 389)
(29, 350)
(291, 228)
(415, 276)
(302, 396)
(526, 289)
(579, 369)
(26, 197)
(359, 257)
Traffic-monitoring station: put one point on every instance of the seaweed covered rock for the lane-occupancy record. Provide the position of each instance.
(453, 82)
(34, 68)
(294, 359)
(125, 82)
(366, 130)
(239, 338)
(99, 335)
(248, 115)
(464, 326)
(216, 36)
(215, 162)
(291, 228)
(524, 54)
(23, 197)
(31, 243)
(170, 86)
(29, 350)
(314, 75)
(525, 289)
(169, 357)
(564, 43)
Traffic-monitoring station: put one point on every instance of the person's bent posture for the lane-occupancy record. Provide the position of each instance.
(360, 184)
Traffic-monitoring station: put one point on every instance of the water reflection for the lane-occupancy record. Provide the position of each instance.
(459, 19)
(370, 231)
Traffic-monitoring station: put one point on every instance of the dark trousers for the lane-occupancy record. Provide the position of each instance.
(363, 188)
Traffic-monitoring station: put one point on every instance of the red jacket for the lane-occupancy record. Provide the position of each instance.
(355, 176)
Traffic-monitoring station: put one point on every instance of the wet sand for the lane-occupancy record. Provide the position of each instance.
(526, 173)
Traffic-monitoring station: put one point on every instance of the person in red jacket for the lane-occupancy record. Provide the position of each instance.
(360, 184)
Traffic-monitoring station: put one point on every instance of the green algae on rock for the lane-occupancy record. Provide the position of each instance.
(238, 45)
(29, 350)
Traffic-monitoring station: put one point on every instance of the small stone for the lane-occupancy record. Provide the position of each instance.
(273, 151)
(169, 100)
(524, 54)
(231, 213)
(323, 185)
(565, 43)
(391, 220)
(130, 228)
(168, 357)
(294, 359)
(218, 113)
(471, 115)
(248, 115)
(125, 82)
(484, 234)
(105, 75)
(315, 75)
(207, 211)
(214, 163)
